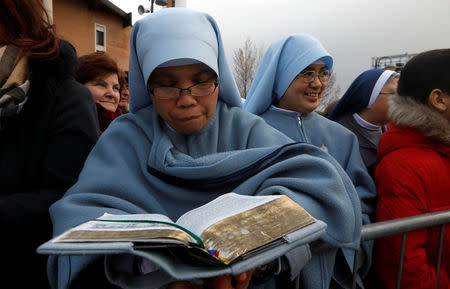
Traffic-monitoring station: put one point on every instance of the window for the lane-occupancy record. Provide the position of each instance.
(100, 37)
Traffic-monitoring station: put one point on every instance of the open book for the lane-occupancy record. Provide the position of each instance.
(232, 230)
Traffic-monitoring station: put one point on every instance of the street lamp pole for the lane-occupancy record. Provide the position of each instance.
(151, 6)
(142, 9)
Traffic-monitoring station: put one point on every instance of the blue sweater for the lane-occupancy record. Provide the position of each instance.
(341, 144)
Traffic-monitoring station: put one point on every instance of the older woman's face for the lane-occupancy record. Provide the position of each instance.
(105, 91)
(380, 107)
(186, 114)
(303, 96)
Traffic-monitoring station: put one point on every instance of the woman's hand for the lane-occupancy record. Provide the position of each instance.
(241, 281)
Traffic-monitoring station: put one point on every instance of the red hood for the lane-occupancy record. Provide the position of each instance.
(402, 137)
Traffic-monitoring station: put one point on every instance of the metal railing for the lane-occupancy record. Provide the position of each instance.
(398, 226)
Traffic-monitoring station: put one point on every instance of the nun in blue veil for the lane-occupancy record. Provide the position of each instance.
(187, 141)
(285, 91)
(363, 110)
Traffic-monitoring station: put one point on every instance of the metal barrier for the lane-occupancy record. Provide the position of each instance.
(398, 226)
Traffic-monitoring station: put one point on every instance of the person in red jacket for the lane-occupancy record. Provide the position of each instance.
(413, 176)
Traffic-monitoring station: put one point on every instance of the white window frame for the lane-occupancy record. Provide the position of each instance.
(102, 28)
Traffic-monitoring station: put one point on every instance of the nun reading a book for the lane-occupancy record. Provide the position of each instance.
(185, 142)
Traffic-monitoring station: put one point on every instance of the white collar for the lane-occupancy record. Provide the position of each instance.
(287, 110)
(365, 124)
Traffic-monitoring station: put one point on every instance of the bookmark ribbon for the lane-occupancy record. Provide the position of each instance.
(194, 236)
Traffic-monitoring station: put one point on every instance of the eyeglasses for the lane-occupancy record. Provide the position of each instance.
(169, 92)
(310, 76)
(387, 93)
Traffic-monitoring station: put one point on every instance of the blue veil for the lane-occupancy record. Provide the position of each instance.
(190, 35)
(280, 65)
(365, 87)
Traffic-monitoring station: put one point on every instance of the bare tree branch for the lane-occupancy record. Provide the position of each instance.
(330, 96)
(245, 63)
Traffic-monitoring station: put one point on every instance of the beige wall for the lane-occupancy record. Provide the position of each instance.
(75, 22)
(49, 7)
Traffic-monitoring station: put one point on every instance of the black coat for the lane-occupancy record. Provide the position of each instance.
(41, 155)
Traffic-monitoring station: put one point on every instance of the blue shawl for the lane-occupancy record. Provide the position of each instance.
(281, 63)
(358, 95)
(135, 168)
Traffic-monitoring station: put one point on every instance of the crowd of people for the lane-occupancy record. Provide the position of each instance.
(79, 137)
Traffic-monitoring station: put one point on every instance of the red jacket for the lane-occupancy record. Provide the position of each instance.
(413, 177)
(105, 117)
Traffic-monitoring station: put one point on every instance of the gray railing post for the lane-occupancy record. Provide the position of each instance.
(400, 263)
(355, 269)
(441, 242)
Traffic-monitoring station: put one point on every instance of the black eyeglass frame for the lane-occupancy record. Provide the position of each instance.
(315, 75)
(152, 89)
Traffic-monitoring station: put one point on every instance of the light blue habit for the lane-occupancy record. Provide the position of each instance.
(283, 61)
(135, 168)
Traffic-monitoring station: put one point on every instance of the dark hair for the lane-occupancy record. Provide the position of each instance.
(423, 73)
(96, 65)
(123, 80)
(25, 24)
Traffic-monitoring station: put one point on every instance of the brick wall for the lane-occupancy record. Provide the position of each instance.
(75, 22)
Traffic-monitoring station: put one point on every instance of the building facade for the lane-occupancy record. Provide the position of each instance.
(96, 25)
(93, 25)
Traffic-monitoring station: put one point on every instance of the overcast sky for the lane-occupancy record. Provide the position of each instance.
(353, 31)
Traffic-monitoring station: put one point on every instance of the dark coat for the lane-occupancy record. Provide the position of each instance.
(367, 147)
(41, 156)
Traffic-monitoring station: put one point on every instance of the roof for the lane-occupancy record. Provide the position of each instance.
(126, 17)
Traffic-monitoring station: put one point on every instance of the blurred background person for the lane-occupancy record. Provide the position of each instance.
(363, 110)
(101, 75)
(124, 103)
(413, 174)
(47, 128)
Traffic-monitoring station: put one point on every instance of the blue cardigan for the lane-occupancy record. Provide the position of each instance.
(341, 144)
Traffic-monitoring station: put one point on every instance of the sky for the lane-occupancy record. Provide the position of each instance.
(353, 31)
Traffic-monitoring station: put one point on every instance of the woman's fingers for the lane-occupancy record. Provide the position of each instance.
(243, 279)
(220, 282)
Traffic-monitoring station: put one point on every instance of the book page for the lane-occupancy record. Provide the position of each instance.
(136, 227)
(248, 224)
(155, 217)
(198, 219)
